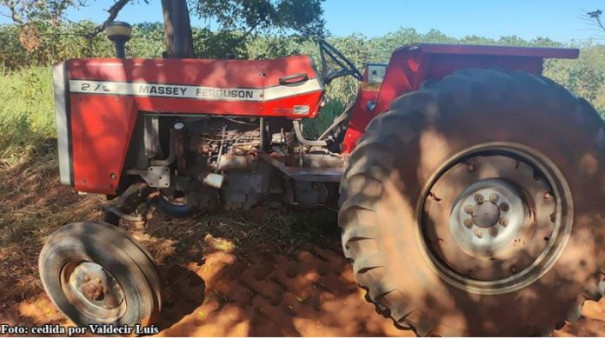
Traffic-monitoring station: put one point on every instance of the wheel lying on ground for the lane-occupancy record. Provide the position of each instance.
(96, 273)
(475, 206)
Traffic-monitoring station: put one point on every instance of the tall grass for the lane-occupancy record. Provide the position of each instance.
(26, 108)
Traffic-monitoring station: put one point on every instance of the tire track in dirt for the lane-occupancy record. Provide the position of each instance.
(260, 293)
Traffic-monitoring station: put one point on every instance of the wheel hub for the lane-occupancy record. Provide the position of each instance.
(490, 218)
(478, 223)
(485, 215)
(93, 289)
(96, 285)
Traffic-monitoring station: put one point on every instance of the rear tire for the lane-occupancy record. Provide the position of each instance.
(409, 179)
(96, 273)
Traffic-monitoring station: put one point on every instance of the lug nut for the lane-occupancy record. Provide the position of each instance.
(547, 196)
(479, 233)
(470, 167)
(493, 232)
(513, 269)
(468, 209)
(479, 198)
(468, 223)
(504, 207)
(504, 221)
(494, 198)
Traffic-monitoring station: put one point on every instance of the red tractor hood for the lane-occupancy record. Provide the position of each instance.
(97, 102)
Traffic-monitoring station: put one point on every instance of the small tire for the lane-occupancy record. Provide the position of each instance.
(387, 193)
(174, 210)
(95, 273)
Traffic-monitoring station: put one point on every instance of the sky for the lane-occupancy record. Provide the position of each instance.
(560, 20)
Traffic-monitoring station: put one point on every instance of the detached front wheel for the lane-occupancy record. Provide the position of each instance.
(475, 206)
(96, 273)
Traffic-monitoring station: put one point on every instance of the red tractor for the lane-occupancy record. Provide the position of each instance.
(471, 188)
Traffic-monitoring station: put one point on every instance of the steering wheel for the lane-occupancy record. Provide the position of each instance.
(346, 65)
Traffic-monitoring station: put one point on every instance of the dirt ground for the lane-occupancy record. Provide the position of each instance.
(258, 273)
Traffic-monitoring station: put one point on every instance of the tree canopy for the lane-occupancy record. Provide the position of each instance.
(236, 21)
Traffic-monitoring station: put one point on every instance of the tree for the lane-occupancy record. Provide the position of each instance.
(596, 17)
(24, 12)
(31, 13)
(177, 29)
(240, 19)
(237, 21)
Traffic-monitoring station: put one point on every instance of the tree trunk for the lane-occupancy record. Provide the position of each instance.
(177, 28)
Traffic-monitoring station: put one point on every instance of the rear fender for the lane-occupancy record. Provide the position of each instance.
(411, 65)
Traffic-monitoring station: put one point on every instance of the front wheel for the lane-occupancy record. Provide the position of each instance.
(96, 273)
(475, 206)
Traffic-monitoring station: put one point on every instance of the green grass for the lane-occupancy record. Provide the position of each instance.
(26, 109)
(314, 127)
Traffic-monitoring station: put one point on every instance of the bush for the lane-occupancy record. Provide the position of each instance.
(26, 108)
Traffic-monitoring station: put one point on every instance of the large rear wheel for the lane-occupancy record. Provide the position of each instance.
(475, 206)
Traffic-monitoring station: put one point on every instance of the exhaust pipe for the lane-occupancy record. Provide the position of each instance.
(119, 33)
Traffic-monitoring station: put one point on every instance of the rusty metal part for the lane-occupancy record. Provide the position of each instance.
(127, 203)
(212, 179)
(229, 162)
(479, 198)
(503, 221)
(493, 231)
(93, 290)
(478, 233)
(306, 174)
(154, 176)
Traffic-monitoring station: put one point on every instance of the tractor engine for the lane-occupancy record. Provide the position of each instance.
(217, 162)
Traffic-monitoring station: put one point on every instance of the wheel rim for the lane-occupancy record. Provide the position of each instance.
(495, 218)
(487, 216)
(93, 290)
